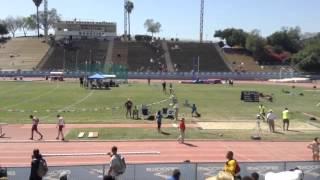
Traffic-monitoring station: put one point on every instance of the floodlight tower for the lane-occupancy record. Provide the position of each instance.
(201, 20)
(46, 19)
(125, 19)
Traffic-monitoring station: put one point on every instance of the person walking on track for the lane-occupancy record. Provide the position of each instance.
(60, 126)
(35, 122)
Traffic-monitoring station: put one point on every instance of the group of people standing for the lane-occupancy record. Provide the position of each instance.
(270, 118)
(182, 126)
(164, 88)
(36, 121)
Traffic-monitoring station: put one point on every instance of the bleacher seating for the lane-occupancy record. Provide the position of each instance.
(184, 55)
(140, 55)
(22, 53)
(120, 53)
(244, 62)
(76, 54)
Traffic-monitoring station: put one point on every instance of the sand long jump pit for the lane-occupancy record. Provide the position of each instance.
(249, 125)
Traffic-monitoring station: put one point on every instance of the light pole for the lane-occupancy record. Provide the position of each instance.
(280, 73)
(77, 60)
(198, 64)
(64, 59)
(86, 68)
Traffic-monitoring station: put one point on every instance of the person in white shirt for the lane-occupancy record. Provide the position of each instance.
(117, 164)
(271, 117)
(60, 126)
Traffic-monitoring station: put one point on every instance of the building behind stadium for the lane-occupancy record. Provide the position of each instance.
(85, 30)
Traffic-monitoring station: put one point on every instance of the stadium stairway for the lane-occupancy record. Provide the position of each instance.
(109, 52)
(22, 53)
(167, 56)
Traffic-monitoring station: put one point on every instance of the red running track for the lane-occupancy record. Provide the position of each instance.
(19, 154)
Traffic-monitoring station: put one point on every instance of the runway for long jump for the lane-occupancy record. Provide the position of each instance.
(90, 153)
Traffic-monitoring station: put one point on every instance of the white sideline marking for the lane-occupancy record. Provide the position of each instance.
(78, 102)
(71, 105)
(103, 154)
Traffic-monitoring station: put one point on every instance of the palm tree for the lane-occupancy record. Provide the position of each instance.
(129, 7)
(37, 3)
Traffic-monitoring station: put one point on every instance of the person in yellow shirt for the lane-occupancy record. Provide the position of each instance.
(262, 112)
(231, 164)
(285, 119)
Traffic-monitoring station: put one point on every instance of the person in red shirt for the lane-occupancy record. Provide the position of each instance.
(35, 122)
(182, 127)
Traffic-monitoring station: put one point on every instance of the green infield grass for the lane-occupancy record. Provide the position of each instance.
(191, 133)
(215, 102)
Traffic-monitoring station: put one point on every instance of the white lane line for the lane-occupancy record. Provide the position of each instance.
(70, 105)
(32, 99)
(78, 102)
(103, 154)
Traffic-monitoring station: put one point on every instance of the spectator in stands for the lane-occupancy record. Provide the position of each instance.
(271, 117)
(35, 163)
(231, 165)
(315, 147)
(35, 122)
(117, 164)
(182, 128)
(60, 126)
(159, 120)
(175, 175)
(128, 105)
(255, 176)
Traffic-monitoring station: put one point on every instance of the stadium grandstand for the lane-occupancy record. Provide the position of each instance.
(22, 53)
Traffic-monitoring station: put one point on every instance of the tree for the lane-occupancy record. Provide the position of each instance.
(3, 29)
(28, 24)
(37, 3)
(232, 36)
(152, 26)
(287, 38)
(19, 22)
(12, 25)
(255, 43)
(129, 7)
(308, 58)
(53, 18)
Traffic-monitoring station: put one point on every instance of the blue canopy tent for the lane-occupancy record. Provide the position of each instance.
(96, 76)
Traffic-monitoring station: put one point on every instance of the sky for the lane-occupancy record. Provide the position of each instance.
(181, 18)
